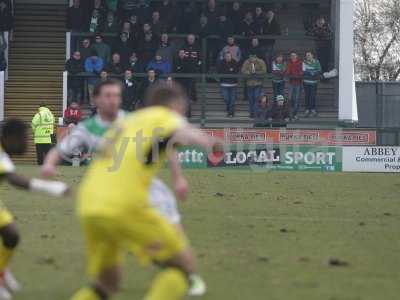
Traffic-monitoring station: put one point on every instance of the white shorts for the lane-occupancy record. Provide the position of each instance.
(163, 199)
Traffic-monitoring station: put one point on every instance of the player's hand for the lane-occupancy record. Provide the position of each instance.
(48, 171)
(181, 188)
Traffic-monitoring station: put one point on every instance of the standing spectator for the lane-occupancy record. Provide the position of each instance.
(166, 49)
(102, 49)
(123, 48)
(93, 65)
(255, 49)
(72, 114)
(294, 72)
(3, 48)
(323, 38)
(75, 17)
(111, 24)
(135, 64)
(312, 73)
(43, 130)
(135, 27)
(130, 91)
(202, 28)
(182, 66)
(115, 67)
(248, 27)
(6, 17)
(256, 67)
(271, 27)
(160, 65)
(85, 49)
(96, 17)
(229, 85)
(188, 13)
(224, 27)
(211, 13)
(167, 10)
(149, 81)
(278, 75)
(127, 30)
(147, 47)
(236, 15)
(233, 49)
(259, 19)
(192, 53)
(74, 66)
(156, 24)
(128, 7)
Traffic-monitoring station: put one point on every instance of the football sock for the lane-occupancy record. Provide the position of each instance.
(5, 257)
(170, 284)
(87, 294)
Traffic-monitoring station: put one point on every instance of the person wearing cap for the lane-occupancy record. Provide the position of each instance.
(103, 50)
(255, 68)
(43, 130)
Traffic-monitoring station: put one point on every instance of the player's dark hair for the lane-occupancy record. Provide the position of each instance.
(109, 82)
(164, 94)
(13, 136)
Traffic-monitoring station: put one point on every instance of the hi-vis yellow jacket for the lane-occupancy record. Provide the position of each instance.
(43, 126)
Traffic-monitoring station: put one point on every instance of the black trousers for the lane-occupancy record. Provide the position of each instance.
(41, 152)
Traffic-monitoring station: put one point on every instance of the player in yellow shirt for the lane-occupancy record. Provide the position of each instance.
(14, 141)
(113, 206)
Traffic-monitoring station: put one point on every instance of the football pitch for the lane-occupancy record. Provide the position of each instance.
(272, 235)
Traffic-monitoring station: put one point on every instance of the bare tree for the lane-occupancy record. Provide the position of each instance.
(377, 39)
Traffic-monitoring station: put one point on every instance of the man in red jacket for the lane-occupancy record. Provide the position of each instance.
(294, 72)
(72, 114)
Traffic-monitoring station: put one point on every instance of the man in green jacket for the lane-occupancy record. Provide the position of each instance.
(43, 130)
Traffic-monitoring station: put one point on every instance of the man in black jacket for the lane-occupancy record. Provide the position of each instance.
(130, 91)
(192, 53)
(182, 65)
(229, 85)
(74, 66)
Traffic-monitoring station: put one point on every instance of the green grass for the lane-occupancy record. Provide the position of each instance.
(268, 236)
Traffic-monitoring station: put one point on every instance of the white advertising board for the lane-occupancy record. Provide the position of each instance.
(371, 159)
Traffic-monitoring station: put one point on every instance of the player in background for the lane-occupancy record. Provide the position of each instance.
(113, 198)
(85, 138)
(14, 141)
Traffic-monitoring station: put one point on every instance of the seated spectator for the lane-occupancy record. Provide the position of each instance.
(312, 73)
(93, 65)
(166, 48)
(278, 75)
(236, 15)
(323, 36)
(75, 17)
(130, 91)
(128, 7)
(112, 5)
(259, 19)
(187, 13)
(229, 85)
(160, 65)
(224, 27)
(85, 49)
(127, 31)
(6, 17)
(102, 49)
(256, 67)
(149, 81)
(111, 24)
(280, 113)
(72, 114)
(135, 64)
(135, 27)
(115, 67)
(255, 49)
(270, 27)
(263, 113)
(104, 75)
(74, 66)
(233, 49)
(156, 24)
(192, 53)
(123, 48)
(294, 72)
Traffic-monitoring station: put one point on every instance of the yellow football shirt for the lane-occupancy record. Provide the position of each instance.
(134, 150)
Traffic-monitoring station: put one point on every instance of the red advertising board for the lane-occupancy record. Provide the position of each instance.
(341, 137)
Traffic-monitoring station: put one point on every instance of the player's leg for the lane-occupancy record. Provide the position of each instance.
(104, 260)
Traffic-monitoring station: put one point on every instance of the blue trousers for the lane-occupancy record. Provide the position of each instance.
(253, 96)
(310, 92)
(229, 94)
(294, 95)
(278, 88)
